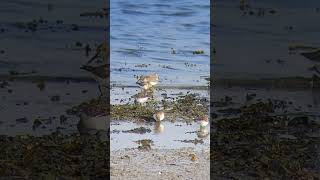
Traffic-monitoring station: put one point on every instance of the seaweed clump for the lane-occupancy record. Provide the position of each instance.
(54, 156)
(144, 144)
(260, 145)
(188, 106)
(131, 111)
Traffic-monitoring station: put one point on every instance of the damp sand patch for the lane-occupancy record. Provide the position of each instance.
(184, 163)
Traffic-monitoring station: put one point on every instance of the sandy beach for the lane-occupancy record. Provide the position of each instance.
(160, 164)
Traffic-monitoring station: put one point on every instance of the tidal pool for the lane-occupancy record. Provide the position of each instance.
(167, 135)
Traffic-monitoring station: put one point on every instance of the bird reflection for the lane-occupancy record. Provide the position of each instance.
(158, 127)
(203, 133)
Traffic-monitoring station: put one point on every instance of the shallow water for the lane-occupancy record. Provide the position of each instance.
(253, 40)
(50, 50)
(33, 104)
(166, 136)
(143, 32)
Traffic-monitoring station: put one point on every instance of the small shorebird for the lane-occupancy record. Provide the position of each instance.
(142, 99)
(142, 96)
(100, 74)
(152, 80)
(147, 86)
(203, 121)
(158, 116)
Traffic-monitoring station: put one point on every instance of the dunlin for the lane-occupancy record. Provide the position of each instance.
(147, 86)
(158, 116)
(141, 97)
(203, 121)
(152, 79)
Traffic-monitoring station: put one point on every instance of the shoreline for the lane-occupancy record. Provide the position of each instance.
(278, 83)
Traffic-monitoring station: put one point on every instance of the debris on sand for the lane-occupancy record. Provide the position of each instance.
(193, 157)
(193, 141)
(198, 52)
(144, 144)
(140, 130)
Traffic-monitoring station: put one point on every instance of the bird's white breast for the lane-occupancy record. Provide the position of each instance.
(142, 100)
(153, 83)
(203, 123)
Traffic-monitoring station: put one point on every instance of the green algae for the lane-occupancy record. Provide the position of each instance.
(189, 107)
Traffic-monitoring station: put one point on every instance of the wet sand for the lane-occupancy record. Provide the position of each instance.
(173, 141)
(160, 164)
